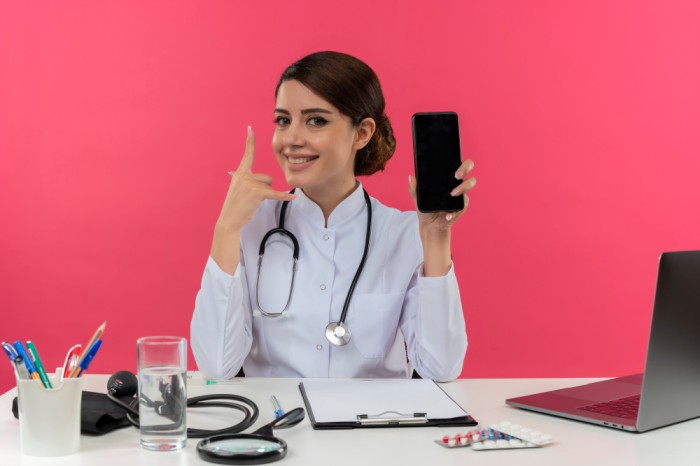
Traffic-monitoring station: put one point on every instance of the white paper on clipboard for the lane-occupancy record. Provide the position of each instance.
(343, 400)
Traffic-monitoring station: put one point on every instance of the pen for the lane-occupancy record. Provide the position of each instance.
(278, 409)
(34, 354)
(87, 359)
(71, 361)
(25, 357)
(21, 369)
(10, 351)
(88, 348)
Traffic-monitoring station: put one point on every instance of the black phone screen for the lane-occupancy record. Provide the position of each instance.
(437, 156)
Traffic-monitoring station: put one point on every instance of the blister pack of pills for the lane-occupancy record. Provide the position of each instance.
(503, 435)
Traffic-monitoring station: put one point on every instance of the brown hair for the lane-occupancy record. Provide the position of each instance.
(353, 88)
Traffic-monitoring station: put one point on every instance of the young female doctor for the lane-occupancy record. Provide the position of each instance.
(373, 292)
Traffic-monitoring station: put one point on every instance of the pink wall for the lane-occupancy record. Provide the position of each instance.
(119, 121)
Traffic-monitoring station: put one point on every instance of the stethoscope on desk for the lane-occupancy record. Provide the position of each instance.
(223, 446)
(338, 332)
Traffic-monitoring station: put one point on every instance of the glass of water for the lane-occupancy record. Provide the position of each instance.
(162, 365)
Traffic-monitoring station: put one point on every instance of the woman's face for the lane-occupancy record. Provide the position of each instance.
(314, 143)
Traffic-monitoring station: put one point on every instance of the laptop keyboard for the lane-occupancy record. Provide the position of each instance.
(626, 408)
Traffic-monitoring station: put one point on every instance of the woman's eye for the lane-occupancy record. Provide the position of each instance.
(317, 121)
(281, 121)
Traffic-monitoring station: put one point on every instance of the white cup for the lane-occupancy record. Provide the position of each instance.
(49, 419)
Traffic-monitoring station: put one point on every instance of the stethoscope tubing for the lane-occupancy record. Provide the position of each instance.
(346, 305)
(336, 332)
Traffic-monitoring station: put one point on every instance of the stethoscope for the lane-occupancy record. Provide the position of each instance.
(222, 446)
(338, 332)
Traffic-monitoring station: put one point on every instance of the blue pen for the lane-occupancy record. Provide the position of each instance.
(85, 363)
(278, 409)
(27, 362)
(10, 351)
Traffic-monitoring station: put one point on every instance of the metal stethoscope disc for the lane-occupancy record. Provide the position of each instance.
(338, 333)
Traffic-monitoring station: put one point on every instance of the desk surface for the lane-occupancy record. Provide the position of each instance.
(575, 443)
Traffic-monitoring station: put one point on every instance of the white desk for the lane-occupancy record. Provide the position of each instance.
(575, 443)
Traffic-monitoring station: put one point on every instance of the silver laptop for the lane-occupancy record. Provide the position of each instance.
(669, 390)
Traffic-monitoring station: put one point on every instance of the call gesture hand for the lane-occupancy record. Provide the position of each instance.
(245, 193)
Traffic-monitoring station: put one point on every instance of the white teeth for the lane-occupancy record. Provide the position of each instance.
(298, 160)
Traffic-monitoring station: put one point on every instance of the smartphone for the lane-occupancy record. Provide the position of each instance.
(437, 156)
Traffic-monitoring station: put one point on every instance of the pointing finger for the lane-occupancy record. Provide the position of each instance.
(247, 161)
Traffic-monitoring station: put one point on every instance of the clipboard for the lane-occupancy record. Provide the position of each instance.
(356, 403)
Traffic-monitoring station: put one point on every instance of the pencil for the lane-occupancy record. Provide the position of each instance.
(98, 333)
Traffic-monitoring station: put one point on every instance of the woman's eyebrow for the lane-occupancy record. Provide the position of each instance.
(305, 111)
(315, 110)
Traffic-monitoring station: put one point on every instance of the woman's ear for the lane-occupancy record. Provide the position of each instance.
(364, 132)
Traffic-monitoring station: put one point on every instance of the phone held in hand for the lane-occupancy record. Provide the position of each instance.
(437, 156)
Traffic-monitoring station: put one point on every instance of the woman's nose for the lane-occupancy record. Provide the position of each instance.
(293, 136)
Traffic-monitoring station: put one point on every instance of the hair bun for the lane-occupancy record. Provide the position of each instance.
(374, 156)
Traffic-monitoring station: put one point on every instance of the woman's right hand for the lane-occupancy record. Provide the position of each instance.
(245, 193)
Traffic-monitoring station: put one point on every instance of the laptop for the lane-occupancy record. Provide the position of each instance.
(669, 389)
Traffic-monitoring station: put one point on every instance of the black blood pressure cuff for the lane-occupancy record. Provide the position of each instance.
(98, 415)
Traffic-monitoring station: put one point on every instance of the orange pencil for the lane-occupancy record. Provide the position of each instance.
(98, 333)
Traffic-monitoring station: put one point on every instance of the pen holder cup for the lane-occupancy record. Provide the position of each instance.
(49, 419)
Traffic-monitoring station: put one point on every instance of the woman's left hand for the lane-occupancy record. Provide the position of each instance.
(443, 221)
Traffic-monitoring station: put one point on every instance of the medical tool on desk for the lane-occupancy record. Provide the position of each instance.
(336, 332)
(257, 448)
(123, 386)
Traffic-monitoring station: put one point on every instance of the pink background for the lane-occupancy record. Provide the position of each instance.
(119, 121)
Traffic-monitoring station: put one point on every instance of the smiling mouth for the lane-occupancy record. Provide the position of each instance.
(300, 160)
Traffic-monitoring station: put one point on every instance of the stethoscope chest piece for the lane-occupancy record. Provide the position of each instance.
(338, 333)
